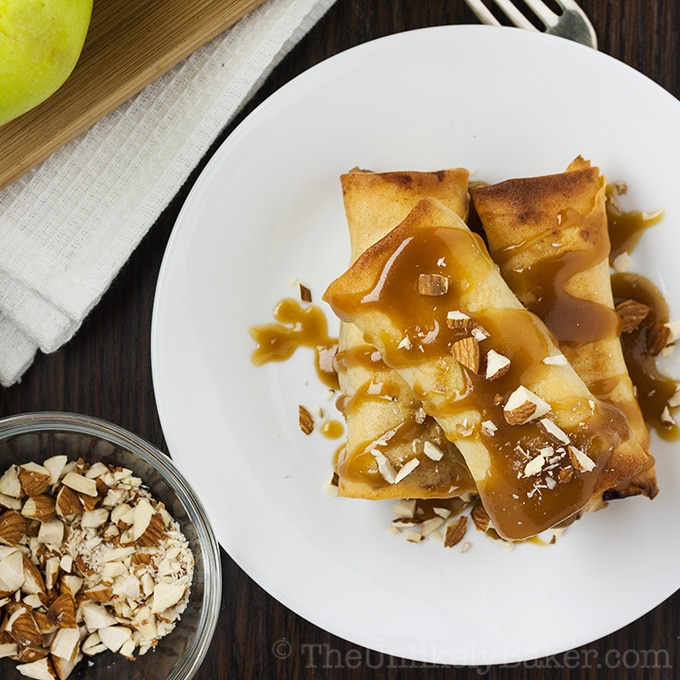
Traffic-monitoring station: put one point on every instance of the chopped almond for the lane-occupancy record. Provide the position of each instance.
(455, 531)
(480, 517)
(34, 478)
(13, 527)
(631, 313)
(580, 460)
(433, 284)
(69, 572)
(466, 352)
(523, 405)
(459, 321)
(658, 336)
(305, 419)
(497, 365)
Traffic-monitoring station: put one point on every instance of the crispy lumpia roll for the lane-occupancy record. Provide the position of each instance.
(537, 442)
(386, 425)
(549, 235)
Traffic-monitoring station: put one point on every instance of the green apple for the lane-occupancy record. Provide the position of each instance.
(40, 42)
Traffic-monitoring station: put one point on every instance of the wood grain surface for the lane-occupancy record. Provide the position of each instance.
(105, 371)
(128, 45)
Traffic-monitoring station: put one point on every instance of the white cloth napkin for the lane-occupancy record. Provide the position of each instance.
(68, 225)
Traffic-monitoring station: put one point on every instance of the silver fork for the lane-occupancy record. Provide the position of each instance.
(572, 23)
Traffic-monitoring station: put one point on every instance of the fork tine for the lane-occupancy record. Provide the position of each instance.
(507, 7)
(573, 23)
(542, 12)
(482, 12)
(577, 24)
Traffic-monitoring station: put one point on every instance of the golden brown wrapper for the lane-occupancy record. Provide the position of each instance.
(549, 234)
(528, 481)
(381, 412)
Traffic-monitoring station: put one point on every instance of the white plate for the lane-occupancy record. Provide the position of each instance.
(268, 208)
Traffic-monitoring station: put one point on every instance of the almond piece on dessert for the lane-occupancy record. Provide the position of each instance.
(432, 451)
(497, 365)
(666, 418)
(534, 466)
(580, 460)
(459, 321)
(405, 508)
(489, 428)
(406, 469)
(304, 292)
(631, 313)
(523, 405)
(466, 352)
(550, 428)
(433, 284)
(305, 420)
(480, 517)
(455, 531)
(658, 336)
(556, 360)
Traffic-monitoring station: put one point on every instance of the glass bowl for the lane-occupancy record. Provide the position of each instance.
(178, 655)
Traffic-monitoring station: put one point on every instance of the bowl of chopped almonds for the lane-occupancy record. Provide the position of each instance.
(108, 563)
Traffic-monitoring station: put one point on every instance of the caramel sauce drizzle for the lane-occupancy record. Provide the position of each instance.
(332, 429)
(542, 288)
(297, 326)
(652, 387)
(626, 227)
(459, 256)
(365, 356)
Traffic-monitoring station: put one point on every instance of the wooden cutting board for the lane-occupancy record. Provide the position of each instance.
(129, 44)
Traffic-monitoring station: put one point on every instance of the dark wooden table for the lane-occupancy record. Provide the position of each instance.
(105, 371)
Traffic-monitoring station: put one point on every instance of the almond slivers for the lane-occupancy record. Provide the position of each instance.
(90, 561)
